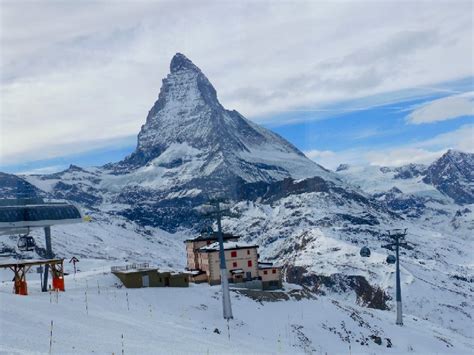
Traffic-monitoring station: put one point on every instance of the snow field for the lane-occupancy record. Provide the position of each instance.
(183, 320)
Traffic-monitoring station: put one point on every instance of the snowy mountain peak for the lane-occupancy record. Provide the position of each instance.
(457, 155)
(181, 62)
(187, 126)
(452, 174)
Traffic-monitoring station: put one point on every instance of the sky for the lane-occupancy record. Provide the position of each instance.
(358, 82)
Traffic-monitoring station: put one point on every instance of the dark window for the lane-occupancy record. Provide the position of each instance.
(274, 271)
(233, 254)
(249, 263)
(265, 272)
(234, 264)
(248, 251)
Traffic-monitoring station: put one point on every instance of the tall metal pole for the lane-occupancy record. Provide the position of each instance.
(227, 307)
(399, 289)
(49, 255)
(397, 236)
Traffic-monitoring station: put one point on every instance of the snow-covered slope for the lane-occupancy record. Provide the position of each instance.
(319, 243)
(189, 321)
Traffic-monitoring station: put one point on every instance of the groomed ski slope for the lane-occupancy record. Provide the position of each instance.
(183, 320)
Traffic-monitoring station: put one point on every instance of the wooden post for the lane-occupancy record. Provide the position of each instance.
(87, 304)
(20, 286)
(51, 338)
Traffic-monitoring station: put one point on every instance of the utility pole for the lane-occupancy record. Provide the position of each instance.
(398, 237)
(226, 305)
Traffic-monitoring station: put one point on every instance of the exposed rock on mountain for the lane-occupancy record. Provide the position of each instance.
(12, 186)
(409, 171)
(453, 175)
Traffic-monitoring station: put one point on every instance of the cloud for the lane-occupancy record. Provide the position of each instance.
(402, 156)
(67, 147)
(319, 155)
(461, 139)
(425, 151)
(44, 170)
(80, 72)
(315, 154)
(446, 108)
(332, 159)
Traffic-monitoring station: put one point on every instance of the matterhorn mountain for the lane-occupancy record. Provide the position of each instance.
(187, 122)
(310, 220)
(191, 148)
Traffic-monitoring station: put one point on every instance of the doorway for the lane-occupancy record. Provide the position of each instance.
(145, 281)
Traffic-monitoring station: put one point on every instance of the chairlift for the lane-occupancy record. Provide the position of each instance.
(26, 243)
(391, 259)
(365, 252)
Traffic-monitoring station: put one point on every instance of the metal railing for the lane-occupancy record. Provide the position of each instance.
(133, 266)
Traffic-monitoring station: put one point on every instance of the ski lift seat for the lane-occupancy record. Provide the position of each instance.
(26, 243)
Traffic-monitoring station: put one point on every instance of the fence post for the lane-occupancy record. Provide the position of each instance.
(51, 338)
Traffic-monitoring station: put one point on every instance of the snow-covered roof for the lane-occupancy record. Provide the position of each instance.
(212, 236)
(228, 246)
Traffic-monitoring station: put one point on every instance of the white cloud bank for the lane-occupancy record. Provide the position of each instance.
(421, 152)
(76, 72)
(446, 108)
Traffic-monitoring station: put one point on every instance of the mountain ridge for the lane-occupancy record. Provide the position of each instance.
(188, 111)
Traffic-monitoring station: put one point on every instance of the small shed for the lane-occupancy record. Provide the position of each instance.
(150, 277)
(198, 276)
(179, 279)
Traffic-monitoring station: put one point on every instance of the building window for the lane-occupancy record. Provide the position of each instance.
(248, 251)
(265, 272)
(274, 271)
(233, 254)
(234, 264)
(249, 263)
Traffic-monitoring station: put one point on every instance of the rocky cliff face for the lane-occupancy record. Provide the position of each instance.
(453, 175)
(12, 186)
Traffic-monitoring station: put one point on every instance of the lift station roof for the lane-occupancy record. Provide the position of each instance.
(21, 214)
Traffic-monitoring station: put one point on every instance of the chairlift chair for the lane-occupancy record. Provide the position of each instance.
(26, 243)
